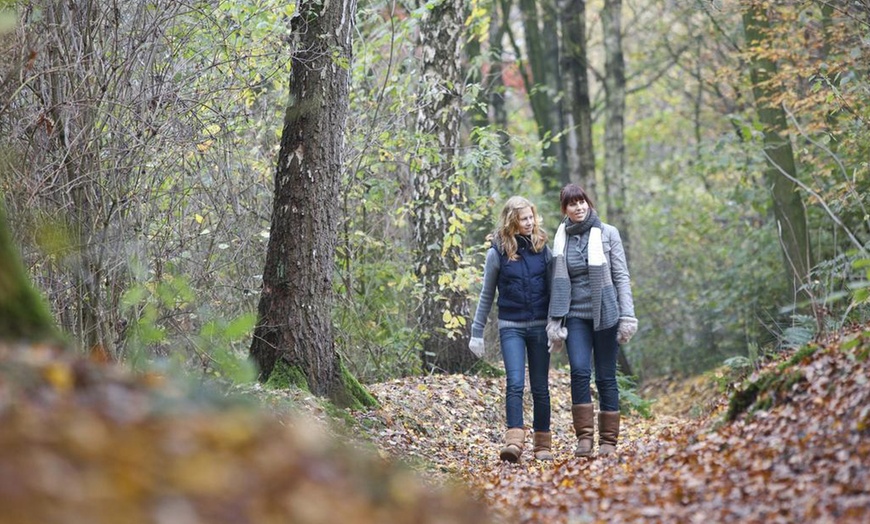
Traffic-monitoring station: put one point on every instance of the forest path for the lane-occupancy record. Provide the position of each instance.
(85, 442)
(806, 458)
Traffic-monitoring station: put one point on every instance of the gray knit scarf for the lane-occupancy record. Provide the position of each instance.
(560, 294)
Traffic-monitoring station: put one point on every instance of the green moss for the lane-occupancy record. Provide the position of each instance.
(23, 312)
(800, 354)
(284, 375)
(483, 368)
(359, 396)
(763, 393)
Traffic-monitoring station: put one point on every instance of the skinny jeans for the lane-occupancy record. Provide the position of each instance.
(517, 343)
(584, 343)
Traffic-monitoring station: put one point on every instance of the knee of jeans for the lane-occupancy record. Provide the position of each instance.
(581, 374)
(541, 392)
(515, 386)
(606, 383)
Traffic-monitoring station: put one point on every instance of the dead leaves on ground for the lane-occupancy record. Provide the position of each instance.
(80, 442)
(805, 459)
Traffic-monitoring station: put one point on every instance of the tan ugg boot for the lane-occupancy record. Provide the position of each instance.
(513, 444)
(584, 428)
(608, 432)
(543, 445)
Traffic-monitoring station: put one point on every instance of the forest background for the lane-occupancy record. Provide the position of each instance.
(728, 141)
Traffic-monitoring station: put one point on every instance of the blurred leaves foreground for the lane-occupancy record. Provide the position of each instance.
(82, 442)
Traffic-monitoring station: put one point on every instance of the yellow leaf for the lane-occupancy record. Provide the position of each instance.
(199, 218)
(59, 376)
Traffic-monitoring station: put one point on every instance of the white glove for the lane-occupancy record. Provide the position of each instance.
(627, 328)
(556, 331)
(476, 346)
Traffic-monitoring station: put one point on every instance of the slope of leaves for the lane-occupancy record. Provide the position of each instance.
(88, 443)
(804, 458)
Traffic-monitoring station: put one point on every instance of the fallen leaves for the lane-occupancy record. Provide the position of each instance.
(805, 457)
(82, 442)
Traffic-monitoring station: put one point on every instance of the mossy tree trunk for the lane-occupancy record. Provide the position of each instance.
(437, 190)
(24, 316)
(294, 336)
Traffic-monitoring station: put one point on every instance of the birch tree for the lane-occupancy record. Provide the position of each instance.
(438, 194)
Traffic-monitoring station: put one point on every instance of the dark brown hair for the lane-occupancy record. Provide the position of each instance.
(573, 193)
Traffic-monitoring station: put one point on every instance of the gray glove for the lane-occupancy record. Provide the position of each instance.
(627, 328)
(476, 346)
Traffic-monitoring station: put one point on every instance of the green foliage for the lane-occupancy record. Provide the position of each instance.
(217, 347)
(629, 399)
(483, 368)
(705, 264)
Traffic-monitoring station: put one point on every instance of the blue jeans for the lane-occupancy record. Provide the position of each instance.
(516, 343)
(582, 344)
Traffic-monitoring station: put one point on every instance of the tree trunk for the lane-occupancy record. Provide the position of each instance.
(294, 334)
(538, 86)
(788, 207)
(24, 315)
(497, 31)
(614, 131)
(576, 64)
(74, 98)
(438, 192)
(556, 95)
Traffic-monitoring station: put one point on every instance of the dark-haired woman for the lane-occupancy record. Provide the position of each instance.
(592, 309)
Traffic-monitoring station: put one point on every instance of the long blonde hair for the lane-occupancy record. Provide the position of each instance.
(509, 225)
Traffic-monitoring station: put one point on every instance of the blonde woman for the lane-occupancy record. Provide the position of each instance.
(517, 268)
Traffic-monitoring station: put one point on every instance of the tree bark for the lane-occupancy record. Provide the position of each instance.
(294, 333)
(576, 64)
(788, 207)
(437, 190)
(614, 131)
(538, 83)
(496, 89)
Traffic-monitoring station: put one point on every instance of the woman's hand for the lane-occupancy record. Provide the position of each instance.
(627, 328)
(477, 346)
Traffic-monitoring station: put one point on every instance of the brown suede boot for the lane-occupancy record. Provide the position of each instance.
(543, 445)
(513, 444)
(608, 432)
(584, 428)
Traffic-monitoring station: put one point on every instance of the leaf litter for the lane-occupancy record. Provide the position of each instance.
(805, 458)
(86, 442)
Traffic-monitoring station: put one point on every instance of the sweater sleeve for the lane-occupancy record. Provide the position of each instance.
(620, 276)
(487, 293)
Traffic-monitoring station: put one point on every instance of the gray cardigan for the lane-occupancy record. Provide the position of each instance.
(616, 297)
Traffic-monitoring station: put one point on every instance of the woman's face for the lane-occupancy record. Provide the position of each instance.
(526, 219)
(578, 210)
